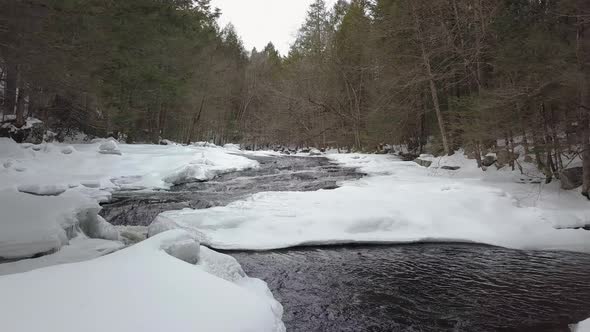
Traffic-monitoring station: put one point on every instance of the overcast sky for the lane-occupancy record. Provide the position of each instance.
(261, 21)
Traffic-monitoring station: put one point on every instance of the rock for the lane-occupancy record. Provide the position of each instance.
(571, 178)
(528, 159)
(408, 156)
(305, 150)
(505, 157)
(451, 168)
(488, 160)
(422, 162)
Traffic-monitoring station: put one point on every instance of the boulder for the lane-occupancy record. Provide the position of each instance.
(505, 157)
(488, 160)
(422, 162)
(408, 156)
(571, 178)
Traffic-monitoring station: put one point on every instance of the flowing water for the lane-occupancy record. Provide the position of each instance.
(425, 287)
(421, 287)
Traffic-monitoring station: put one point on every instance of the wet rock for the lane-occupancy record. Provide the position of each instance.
(571, 178)
(422, 162)
(488, 160)
(408, 156)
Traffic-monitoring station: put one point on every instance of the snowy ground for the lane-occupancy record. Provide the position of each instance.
(399, 202)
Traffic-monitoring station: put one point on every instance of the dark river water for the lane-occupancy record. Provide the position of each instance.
(425, 287)
(421, 287)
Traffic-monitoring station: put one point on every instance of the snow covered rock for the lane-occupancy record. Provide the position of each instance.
(109, 147)
(233, 147)
(571, 178)
(68, 150)
(141, 288)
(315, 152)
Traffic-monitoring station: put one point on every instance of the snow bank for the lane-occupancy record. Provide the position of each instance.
(32, 225)
(582, 326)
(401, 202)
(141, 288)
(73, 178)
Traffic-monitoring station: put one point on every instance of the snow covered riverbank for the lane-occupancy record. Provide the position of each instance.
(142, 288)
(49, 198)
(49, 193)
(399, 202)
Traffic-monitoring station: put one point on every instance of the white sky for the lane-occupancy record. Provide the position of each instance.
(261, 21)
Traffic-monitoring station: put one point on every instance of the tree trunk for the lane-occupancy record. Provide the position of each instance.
(432, 83)
(20, 109)
(196, 119)
(583, 48)
(11, 81)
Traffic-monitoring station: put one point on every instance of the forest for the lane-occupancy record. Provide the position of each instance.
(434, 76)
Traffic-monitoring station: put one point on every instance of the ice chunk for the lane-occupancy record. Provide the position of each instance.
(189, 173)
(43, 190)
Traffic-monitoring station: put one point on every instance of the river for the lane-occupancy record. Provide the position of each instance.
(419, 287)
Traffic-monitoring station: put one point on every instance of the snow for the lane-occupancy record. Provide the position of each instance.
(582, 326)
(43, 190)
(33, 224)
(29, 123)
(51, 197)
(141, 288)
(400, 202)
(109, 147)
